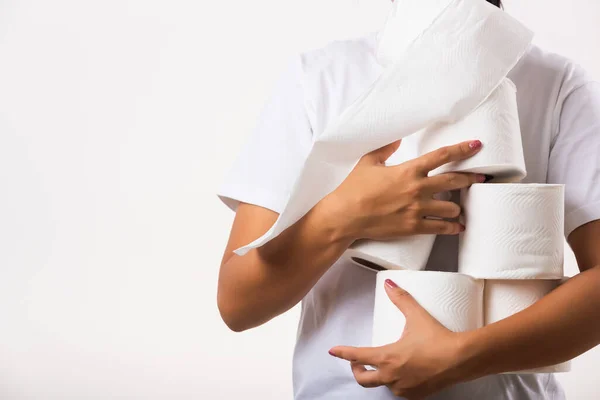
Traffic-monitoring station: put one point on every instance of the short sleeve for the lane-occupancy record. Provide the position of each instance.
(575, 155)
(273, 154)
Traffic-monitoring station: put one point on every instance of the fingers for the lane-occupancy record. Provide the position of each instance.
(380, 156)
(452, 181)
(439, 227)
(444, 155)
(440, 209)
(360, 355)
(366, 378)
(402, 299)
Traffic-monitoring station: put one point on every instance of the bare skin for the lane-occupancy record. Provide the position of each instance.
(375, 201)
(379, 202)
(428, 357)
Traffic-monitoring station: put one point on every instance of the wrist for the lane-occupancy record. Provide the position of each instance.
(471, 351)
(332, 217)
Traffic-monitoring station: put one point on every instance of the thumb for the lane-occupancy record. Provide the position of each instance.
(380, 156)
(405, 302)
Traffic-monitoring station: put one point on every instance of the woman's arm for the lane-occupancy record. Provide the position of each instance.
(562, 325)
(375, 201)
(559, 327)
(270, 280)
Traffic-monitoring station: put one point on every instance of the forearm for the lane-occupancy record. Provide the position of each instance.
(373, 202)
(559, 327)
(271, 279)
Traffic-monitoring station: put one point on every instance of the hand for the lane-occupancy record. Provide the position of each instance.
(426, 359)
(382, 202)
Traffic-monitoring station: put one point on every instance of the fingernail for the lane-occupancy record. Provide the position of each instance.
(475, 144)
(331, 353)
(462, 228)
(488, 178)
(482, 178)
(391, 284)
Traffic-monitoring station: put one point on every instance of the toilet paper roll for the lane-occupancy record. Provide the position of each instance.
(503, 298)
(410, 252)
(514, 231)
(458, 53)
(496, 124)
(455, 300)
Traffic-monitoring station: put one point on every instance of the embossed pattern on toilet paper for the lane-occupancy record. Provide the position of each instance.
(503, 298)
(514, 231)
(457, 60)
(453, 299)
(406, 21)
(496, 124)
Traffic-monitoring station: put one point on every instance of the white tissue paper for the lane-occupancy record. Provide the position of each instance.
(514, 231)
(455, 300)
(410, 252)
(440, 66)
(503, 298)
(496, 124)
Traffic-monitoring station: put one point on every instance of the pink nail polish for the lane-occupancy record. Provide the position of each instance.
(331, 353)
(462, 228)
(475, 144)
(481, 178)
(391, 284)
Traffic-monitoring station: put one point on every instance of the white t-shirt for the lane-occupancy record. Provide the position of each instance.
(559, 107)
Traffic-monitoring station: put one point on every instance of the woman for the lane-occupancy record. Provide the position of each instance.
(559, 106)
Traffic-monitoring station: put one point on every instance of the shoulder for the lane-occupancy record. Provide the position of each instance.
(544, 71)
(337, 73)
(339, 53)
(544, 81)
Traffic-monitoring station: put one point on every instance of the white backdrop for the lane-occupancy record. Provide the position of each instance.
(118, 120)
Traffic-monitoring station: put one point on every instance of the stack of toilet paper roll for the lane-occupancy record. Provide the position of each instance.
(496, 124)
(445, 80)
(445, 66)
(510, 256)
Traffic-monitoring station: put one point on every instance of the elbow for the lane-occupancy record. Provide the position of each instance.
(232, 315)
(234, 324)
